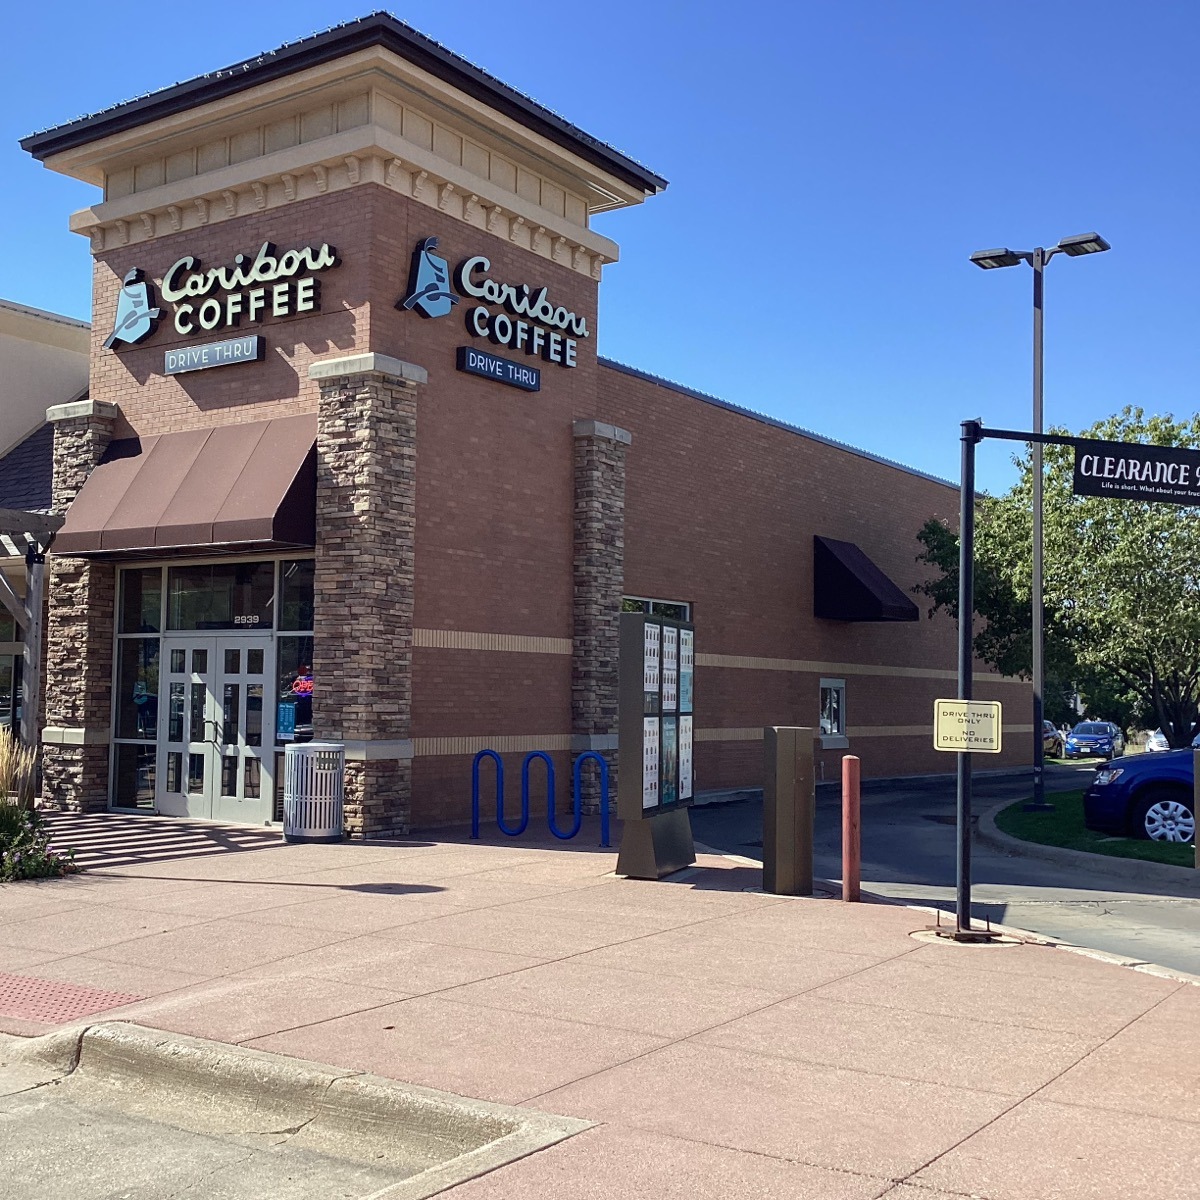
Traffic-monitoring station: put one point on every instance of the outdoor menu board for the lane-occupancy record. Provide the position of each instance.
(656, 772)
(666, 724)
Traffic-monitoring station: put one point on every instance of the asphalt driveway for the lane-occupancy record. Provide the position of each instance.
(908, 853)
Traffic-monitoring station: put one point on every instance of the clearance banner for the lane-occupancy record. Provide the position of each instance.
(1129, 471)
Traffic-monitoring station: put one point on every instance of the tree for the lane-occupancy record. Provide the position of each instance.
(1004, 640)
(1121, 586)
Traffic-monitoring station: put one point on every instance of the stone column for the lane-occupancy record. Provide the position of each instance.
(363, 617)
(78, 658)
(599, 579)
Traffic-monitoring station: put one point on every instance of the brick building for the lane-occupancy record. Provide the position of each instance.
(352, 467)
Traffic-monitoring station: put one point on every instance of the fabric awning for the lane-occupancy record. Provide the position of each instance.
(251, 486)
(848, 586)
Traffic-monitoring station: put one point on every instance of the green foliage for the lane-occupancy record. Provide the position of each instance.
(1121, 585)
(25, 847)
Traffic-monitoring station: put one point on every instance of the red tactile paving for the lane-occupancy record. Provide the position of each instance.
(53, 1002)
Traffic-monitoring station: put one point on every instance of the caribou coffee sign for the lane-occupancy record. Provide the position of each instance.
(271, 283)
(529, 321)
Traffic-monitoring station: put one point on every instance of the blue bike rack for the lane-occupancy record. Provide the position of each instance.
(576, 824)
(520, 829)
(578, 781)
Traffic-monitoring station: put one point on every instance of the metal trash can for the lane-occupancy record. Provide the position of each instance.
(314, 776)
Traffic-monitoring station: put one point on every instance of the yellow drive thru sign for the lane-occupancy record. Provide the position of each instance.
(971, 725)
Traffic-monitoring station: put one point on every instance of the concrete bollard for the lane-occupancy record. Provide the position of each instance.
(789, 805)
(851, 829)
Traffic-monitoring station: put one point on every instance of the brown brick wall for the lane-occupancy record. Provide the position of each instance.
(720, 510)
(151, 402)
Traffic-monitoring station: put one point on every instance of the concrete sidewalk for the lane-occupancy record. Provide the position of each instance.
(729, 1044)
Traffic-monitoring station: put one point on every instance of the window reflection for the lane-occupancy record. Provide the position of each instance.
(221, 596)
(294, 718)
(137, 688)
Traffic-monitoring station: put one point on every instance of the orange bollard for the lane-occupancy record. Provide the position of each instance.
(851, 834)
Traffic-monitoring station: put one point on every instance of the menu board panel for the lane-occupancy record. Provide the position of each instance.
(670, 668)
(650, 793)
(685, 758)
(669, 762)
(687, 663)
(650, 657)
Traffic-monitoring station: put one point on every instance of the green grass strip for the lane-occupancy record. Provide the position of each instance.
(1064, 827)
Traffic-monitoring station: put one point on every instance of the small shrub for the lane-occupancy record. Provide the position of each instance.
(18, 770)
(25, 847)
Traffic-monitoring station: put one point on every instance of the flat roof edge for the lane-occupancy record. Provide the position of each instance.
(764, 419)
(29, 311)
(376, 29)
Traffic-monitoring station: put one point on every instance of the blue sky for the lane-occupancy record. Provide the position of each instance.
(832, 166)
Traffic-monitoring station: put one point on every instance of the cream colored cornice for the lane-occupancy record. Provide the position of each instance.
(374, 68)
(364, 155)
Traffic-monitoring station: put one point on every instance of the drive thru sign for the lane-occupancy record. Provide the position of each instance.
(966, 725)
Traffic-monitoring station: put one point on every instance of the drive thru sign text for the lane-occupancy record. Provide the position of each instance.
(970, 725)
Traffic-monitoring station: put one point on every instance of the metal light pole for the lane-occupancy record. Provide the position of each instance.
(1084, 243)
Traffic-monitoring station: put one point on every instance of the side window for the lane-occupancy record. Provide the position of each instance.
(833, 710)
(674, 610)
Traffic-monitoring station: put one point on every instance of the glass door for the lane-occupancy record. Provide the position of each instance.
(187, 738)
(241, 791)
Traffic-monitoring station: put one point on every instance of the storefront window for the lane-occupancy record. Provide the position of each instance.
(137, 688)
(9, 691)
(221, 596)
(673, 610)
(296, 594)
(10, 631)
(133, 783)
(833, 707)
(294, 710)
(141, 601)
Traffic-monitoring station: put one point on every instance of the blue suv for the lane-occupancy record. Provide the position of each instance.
(1094, 739)
(1146, 796)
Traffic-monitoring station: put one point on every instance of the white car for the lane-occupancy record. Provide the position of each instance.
(1157, 741)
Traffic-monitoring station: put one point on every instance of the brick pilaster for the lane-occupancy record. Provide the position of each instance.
(363, 616)
(599, 579)
(79, 630)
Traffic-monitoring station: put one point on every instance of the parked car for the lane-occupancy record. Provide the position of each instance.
(1095, 739)
(1146, 796)
(1052, 740)
(1156, 742)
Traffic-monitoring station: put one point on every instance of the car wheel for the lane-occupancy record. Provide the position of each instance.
(1163, 817)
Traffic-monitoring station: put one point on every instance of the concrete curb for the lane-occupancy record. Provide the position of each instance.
(250, 1095)
(1131, 870)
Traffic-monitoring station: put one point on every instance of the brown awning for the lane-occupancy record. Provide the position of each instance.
(248, 486)
(848, 586)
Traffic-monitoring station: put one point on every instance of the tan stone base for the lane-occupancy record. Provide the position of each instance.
(378, 798)
(74, 778)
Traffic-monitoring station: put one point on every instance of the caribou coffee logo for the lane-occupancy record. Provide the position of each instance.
(530, 320)
(254, 287)
(135, 317)
(429, 282)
